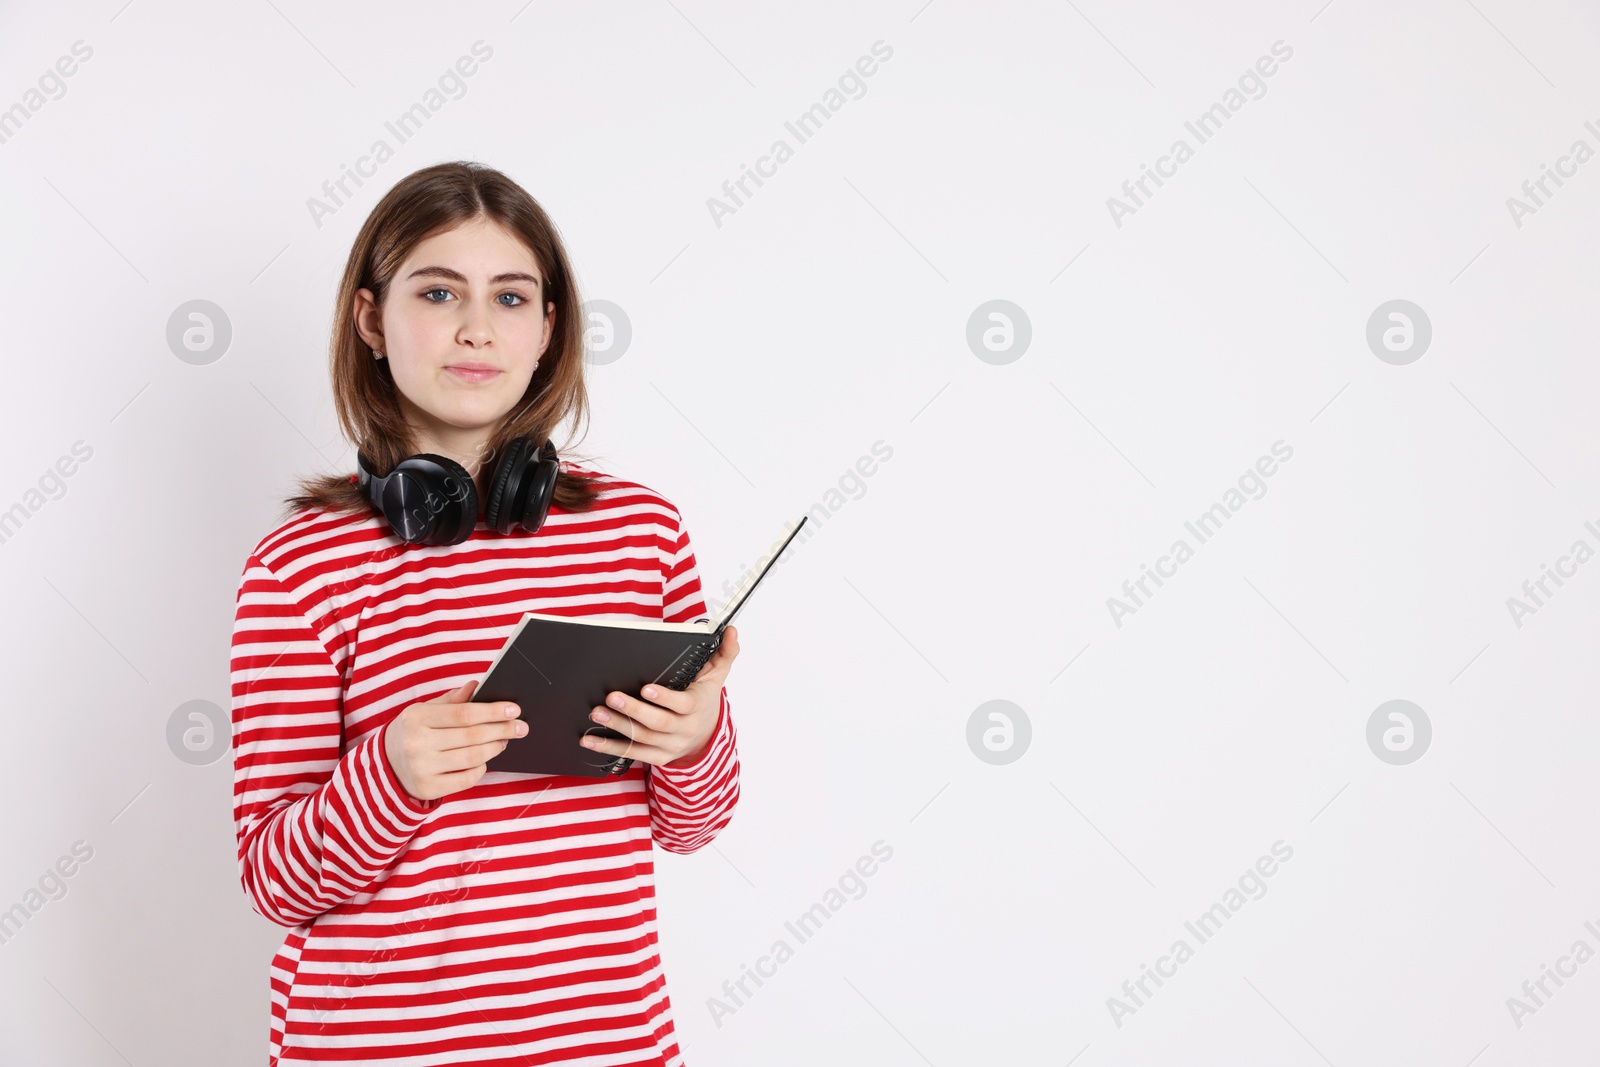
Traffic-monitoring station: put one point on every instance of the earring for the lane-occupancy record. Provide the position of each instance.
(377, 355)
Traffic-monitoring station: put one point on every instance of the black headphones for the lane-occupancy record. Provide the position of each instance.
(431, 500)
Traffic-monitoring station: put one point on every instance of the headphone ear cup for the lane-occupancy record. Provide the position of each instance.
(541, 488)
(461, 496)
(430, 500)
(499, 514)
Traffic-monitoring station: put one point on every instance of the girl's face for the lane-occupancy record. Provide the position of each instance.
(461, 329)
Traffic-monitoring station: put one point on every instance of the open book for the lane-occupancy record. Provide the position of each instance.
(558, 668)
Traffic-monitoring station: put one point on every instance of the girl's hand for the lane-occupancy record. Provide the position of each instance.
(668, 727)
(440, 746)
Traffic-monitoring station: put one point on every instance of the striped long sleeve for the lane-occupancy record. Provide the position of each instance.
(689, 805)
(314, 827)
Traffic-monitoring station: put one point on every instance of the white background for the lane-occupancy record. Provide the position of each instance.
(769, 353)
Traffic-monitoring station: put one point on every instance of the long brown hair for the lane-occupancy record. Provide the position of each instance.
(430, 201)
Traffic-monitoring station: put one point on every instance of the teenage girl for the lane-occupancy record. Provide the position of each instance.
(439, 913)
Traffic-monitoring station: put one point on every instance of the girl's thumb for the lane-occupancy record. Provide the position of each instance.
(459, 694)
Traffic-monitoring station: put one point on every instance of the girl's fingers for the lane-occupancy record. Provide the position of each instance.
(653, 714)
(461, 759)
(480, 734)
(727, 651)
(721, 661)
(628, 726)
(631, 749)
(455, 781)
(678, 701)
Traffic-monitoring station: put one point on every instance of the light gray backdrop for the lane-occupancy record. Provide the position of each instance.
(1347, 325)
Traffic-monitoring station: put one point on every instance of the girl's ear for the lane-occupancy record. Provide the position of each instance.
(549, 328)
(368, 320)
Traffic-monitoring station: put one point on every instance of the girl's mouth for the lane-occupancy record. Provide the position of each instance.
(472, 372)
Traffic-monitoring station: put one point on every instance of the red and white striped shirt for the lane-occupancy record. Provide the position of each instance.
(512, 923)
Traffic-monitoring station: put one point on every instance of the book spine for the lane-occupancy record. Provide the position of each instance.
(692, 663)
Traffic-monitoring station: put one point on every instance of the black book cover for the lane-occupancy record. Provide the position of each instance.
(558, 669)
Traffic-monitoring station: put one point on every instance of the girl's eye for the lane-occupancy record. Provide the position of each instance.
(428, 296)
